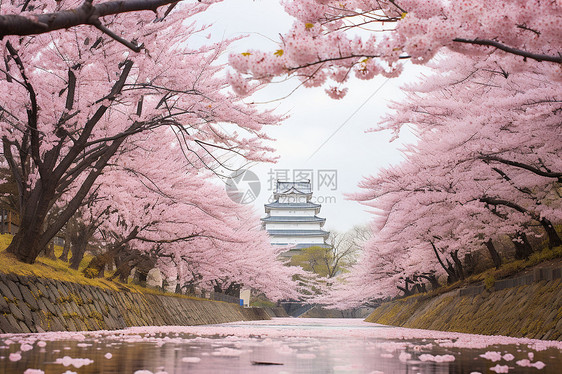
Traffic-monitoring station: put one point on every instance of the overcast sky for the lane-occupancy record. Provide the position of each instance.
(322, 135)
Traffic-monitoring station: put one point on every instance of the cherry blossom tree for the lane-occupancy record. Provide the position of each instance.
(485, 165)
(332, 40)
(77, 96)
(515, 132)
(162, 208)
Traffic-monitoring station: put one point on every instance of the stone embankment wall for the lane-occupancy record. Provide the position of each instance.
(30, 304)
(276, 312)
(527, 309)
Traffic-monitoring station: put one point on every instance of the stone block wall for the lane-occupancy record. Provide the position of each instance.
(30, 304)
(277, 311)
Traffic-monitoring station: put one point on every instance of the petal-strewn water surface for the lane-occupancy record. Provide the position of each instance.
(282, 345)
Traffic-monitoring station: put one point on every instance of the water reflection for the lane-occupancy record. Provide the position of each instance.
(278, 346)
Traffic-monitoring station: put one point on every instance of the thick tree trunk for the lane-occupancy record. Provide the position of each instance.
(28, 242)
(78, 252)
(451, 272)
(96, 267)
(405, 290)
(79, 243)
(179, 287)
(26, 245)
(553, 237)
(434, 282)
(494, 253)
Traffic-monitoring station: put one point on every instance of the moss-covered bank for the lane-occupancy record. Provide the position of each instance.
(533, 311)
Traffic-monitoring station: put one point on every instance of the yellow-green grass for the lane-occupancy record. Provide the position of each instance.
(47, 268)
(60, 270)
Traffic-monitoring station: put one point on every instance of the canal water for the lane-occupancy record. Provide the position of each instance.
(282, 345)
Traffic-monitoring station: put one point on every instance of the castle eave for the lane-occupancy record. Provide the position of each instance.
(301, 233)
(277, 205)
(275, 219)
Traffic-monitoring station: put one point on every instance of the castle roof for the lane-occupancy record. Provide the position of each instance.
(278, 205)
(293, 219)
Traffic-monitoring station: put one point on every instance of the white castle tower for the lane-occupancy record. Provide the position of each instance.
(292, 219)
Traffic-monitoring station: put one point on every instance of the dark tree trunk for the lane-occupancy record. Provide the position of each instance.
(406, 289)
(420, 287)
(28, 242)
(522, 247)
(431, 278)
(96, 267)
(66, 248)
(143, 266)
(77, 256)
(178, 287)
(233, 288)
(459, 271)
(79, 243)
(123, 272)
(31, 238)
(451, 274)
(494, 253)
(126, 259)
(50, 251)
(553, 237)
(125, 264)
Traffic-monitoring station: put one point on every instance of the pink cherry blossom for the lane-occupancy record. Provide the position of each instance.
(331, 36)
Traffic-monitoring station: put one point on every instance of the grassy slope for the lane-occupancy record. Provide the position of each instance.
(59, 270)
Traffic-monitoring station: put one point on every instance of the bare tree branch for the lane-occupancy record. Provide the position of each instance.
(542, 173)
(515, 51)
(86, 14)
